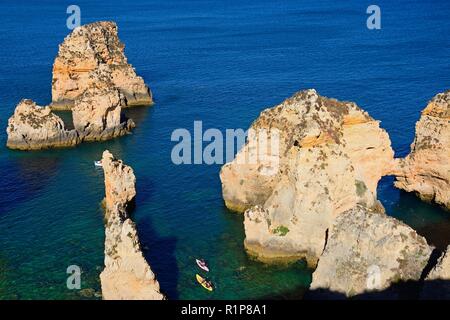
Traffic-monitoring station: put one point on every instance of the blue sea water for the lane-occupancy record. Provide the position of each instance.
(221, 62)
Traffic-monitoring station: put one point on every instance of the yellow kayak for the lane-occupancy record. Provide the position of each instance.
(205, 283)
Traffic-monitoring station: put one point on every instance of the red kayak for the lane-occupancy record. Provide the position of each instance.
(202, 264)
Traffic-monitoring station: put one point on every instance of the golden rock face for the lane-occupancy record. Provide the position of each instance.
(90, 54)
(426, 170)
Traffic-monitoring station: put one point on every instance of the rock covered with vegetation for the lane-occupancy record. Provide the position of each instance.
(331, 155)
(33, 127)
(90, 53)
(127, 275)
(426, 170)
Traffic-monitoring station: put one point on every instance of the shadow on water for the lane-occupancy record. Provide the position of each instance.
(437, 234)
(158, 251)
(25, 175)
(429, 220)
(146, 188)
(297, 293)
(408, 290)
(137, 113)
(160, 254)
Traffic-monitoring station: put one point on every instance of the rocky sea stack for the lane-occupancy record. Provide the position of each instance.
(91, 77)
(426, 170)
(90, 53)
(127, 275)
(332, 155)
(32, 127)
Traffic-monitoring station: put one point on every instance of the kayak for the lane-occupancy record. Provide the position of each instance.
(203, 282)
(201, 265)
(98, 163)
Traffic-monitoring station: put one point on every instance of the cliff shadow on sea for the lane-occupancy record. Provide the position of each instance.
(159, 251)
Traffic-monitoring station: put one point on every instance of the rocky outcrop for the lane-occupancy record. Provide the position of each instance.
(91, 77)
(426, 170)
(97, 114)
(33, 127)
(330, 156)
(91, 53)
(369, 251)
(127, 275)
(437, 282)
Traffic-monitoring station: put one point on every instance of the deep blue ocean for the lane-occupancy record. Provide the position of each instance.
(221, 62)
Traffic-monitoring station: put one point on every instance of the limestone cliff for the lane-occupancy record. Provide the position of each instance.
(89, 53)
(426, 170)
(127, 275)
(367, 251)
(32, 127)
(331, 155)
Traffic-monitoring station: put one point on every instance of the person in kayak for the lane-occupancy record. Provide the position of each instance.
(207, 283)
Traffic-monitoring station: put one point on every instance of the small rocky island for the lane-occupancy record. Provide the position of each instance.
(91, 53)
(127, 275)
(321, 203)
(92, 79)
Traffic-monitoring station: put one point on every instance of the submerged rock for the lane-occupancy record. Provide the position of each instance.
(331, 155)
(426, 170)
(97, 114)
(33, 127)
(92, 52)
(127, 275)
(369, 251)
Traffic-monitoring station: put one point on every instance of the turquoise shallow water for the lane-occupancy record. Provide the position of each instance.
(222, 64)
